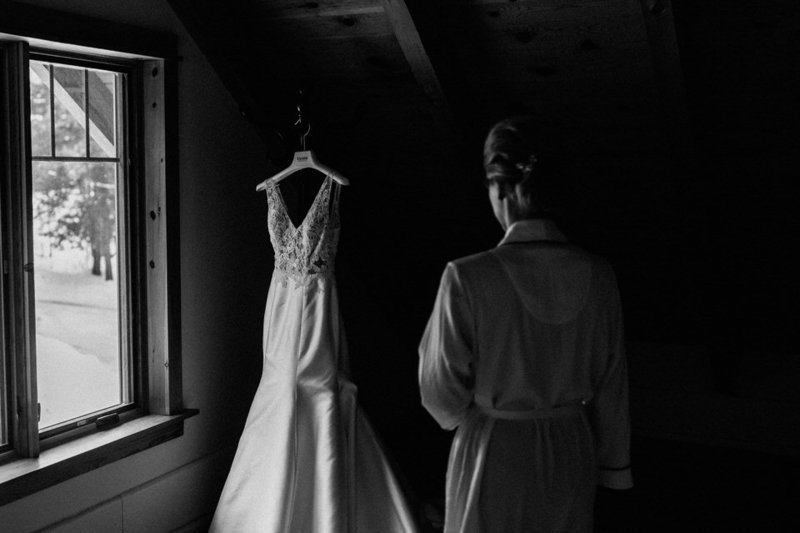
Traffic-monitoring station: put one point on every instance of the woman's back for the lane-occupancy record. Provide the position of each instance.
(524, 354)
(544, 320)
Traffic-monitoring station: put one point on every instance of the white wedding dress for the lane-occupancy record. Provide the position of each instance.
(308, 460)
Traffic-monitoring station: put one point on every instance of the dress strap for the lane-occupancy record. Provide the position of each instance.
(532, 414)
(334, 205)
(269, 191)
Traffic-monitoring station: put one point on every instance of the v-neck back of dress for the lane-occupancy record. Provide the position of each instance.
(307, 250)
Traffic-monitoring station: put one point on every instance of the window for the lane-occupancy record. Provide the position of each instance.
(88, 319)
(80, 243)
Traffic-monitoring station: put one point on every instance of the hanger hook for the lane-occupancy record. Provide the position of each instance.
(299, 121)
(303, 136)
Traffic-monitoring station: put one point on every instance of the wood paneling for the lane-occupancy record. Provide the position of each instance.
(283, 9)
(333, 26)
(24, 477)
(566, 67)
(163, 306)
(577, 36)
(378, 58)
(588, 59)
(172, 500)
(106, 517)
(549, 4)
(606, 17)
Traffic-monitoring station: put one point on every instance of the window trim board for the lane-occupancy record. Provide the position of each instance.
(20, 337)
(163, 297)
(23, 477)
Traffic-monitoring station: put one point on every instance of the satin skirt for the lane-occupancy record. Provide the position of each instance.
(308, 459)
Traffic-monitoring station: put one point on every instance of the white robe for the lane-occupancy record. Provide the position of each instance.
(524, 354)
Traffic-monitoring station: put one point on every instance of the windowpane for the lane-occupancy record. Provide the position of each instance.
(81, 355)
(69, 108)
(77, 294)
(41, 140)
(102, 113)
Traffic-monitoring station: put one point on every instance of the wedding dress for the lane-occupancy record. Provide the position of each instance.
(308, 459)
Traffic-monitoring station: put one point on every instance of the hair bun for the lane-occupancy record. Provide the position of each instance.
(519, 153)
(527, 167)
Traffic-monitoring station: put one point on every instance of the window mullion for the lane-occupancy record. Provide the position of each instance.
(126, 324)
(86, 111)
(52, 112)
(21, 339)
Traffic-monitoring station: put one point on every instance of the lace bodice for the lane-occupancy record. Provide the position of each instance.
(307, 251)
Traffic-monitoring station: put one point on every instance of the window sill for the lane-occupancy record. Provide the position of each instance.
(22, 477)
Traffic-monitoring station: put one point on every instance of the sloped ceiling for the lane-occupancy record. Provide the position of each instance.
(407, 70)
(400, 94)
(694, 205)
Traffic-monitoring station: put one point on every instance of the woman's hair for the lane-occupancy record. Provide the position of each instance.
(518, 156)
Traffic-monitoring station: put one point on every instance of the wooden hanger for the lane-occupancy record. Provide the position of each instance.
(303, 159)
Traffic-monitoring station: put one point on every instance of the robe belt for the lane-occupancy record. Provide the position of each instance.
(531, 414)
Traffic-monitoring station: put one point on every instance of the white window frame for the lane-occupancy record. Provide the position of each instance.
(34, 463)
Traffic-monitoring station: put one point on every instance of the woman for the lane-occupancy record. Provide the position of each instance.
(524, 354)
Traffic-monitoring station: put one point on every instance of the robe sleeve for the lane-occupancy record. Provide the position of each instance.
(446, 354)
(608, 411)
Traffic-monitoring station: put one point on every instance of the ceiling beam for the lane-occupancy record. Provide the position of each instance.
(668, 72)
(418, 57)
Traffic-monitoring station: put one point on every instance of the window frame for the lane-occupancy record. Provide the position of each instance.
(152, 212)
(130, 294)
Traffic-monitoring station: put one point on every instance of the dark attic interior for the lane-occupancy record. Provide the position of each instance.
(678, 120)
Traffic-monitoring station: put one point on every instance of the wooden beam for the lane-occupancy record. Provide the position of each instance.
(164, 368)
(417, 56)
(294, 10)
(74, 109)
(668, 73)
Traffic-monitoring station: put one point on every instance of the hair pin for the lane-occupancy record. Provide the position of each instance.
(527, 167)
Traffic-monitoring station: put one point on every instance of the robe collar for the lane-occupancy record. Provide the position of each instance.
(533, 229)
